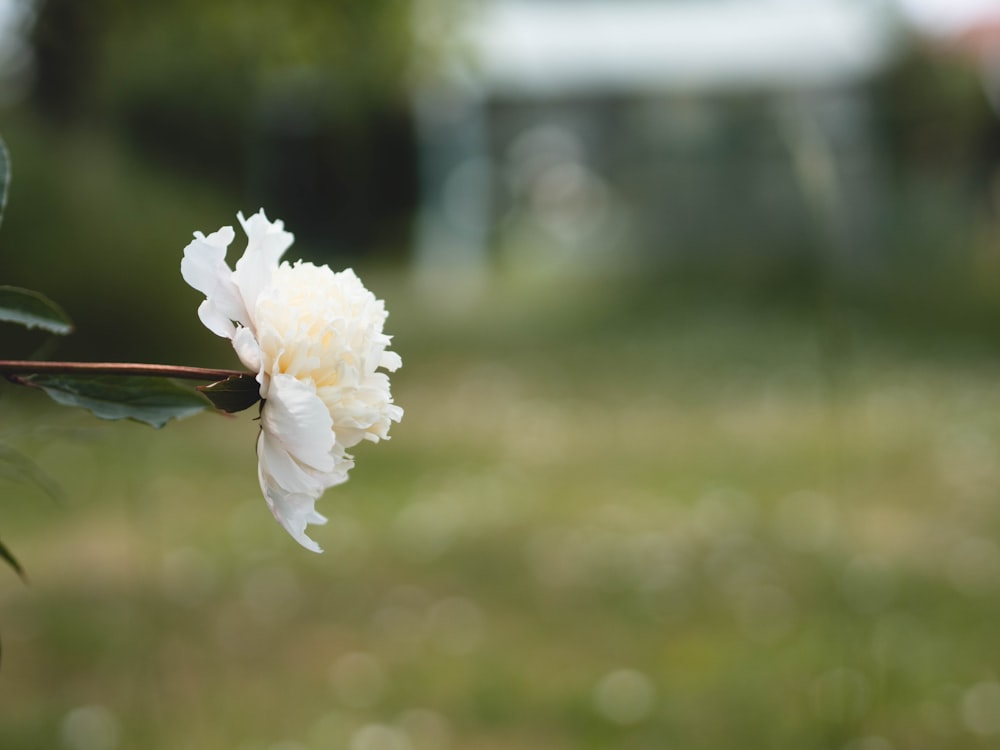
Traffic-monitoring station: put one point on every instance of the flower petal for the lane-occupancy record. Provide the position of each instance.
(204, 268)
(266, 243)
(296, 417)
(282, 468)
(390, 361)
(293, 510)
(248, 350)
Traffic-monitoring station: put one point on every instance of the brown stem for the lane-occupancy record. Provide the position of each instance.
(27, 367)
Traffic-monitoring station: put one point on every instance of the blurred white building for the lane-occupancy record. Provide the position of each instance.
(589, 131)
(949, 19)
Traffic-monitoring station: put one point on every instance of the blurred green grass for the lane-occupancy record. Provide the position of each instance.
(688, 526)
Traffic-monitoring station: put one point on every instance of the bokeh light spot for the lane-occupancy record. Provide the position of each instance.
(625, 696)
(91, 727)
(980, 708)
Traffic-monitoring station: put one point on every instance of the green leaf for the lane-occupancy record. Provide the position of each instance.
(18, 467)
(8, 557)
(154, 401)
(4, 176)
(33, 310)
(233, 394)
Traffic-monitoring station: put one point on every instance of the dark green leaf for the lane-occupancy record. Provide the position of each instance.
(8, 557)
(33, 310)
(18, 467)
(152, 400)
(233, 394)
(4, 176)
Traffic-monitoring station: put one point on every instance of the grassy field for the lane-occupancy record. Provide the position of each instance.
(686, 526)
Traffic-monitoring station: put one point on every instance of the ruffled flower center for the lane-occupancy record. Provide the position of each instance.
(325, 329)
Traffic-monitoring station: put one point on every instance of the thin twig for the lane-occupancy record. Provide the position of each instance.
(27, 367)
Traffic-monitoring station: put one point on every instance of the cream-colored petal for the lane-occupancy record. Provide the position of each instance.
(284, 470)
(390, 361)
(204, 268)
(247, 349)
(266, 242)
(293, 510)
(296, 417)
(215, 320)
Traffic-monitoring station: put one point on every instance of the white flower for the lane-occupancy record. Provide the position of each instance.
(315, 340)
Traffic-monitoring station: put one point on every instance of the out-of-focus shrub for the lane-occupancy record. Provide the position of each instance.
(298, 105)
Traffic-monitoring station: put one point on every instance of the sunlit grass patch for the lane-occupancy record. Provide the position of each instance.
(703, 535)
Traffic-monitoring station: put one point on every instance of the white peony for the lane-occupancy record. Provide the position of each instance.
(315, 340)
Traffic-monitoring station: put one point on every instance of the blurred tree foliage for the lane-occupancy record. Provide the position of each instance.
(302, 106)
(298, 105)
(941, 141)
(937, 119)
